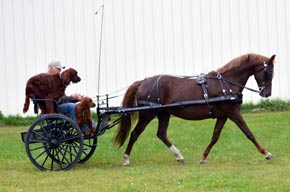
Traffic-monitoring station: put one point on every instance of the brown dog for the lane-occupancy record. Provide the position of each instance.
(49, 87)
(83, 114)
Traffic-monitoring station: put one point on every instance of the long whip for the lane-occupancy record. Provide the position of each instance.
(100, 48)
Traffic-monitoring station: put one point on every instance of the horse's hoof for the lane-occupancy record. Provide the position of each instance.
(126, 163)
(181, 161)
(126, 160)
(269, 156)
(203, 161)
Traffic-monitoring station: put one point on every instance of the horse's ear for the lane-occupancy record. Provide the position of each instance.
(272, 59)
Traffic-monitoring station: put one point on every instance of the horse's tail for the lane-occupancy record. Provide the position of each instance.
(26, 104)
(126, 119)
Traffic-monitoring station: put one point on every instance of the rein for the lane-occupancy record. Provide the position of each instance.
(261, 89)
(220, 77)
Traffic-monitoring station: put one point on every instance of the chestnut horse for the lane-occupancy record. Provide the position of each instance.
(164, 89)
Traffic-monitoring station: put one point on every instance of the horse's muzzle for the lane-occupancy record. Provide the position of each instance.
(263, 94)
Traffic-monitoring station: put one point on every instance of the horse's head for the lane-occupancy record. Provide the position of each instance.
(264, 75)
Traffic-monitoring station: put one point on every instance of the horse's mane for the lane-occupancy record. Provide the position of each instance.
(237, 62)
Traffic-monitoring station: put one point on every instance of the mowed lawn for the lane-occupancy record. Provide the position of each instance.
(234, 164)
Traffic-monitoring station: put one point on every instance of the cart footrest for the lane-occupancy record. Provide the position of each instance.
(23, 136)
(37, 135)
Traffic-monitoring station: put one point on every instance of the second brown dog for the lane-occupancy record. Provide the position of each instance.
(84, 116)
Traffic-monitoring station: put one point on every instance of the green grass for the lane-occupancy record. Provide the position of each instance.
(234, 164)
(267, 105)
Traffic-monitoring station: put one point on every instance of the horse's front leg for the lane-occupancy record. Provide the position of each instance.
(238, 119)
(216, 133)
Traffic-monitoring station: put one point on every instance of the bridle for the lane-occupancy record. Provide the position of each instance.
(267, 75)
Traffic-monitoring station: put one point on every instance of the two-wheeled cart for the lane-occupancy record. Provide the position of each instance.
(55, 142)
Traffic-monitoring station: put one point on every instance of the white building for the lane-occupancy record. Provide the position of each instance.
(141, 38)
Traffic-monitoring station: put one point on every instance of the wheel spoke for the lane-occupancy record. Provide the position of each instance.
(40, 154)
(58, 158)
(69, 151)
(64, 158)
(44, 161)
(37, 148)
(51, 166)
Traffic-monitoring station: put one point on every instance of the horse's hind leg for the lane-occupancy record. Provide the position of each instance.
(144, 119)
(217, 131)
(162, 135)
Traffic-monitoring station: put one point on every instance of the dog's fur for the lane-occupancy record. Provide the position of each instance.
(49, 87)
(83, 113)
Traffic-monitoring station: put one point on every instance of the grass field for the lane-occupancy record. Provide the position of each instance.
(234, 164)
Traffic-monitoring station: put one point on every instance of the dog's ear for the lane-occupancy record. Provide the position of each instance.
(65, 76)
(87, 103)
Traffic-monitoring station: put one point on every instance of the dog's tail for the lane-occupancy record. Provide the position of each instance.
(26, 104)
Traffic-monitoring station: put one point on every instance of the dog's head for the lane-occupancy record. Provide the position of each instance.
(70, 75)
(87, 102)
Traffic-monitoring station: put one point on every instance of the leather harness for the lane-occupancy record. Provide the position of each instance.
(201, 81)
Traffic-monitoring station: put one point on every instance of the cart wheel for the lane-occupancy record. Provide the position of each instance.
(54, 142)
(90, 145)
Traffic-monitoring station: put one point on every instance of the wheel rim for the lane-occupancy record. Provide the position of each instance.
(54, 142)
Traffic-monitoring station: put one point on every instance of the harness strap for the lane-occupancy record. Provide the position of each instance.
(224, 85)
(201, 80)
(157, 89)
